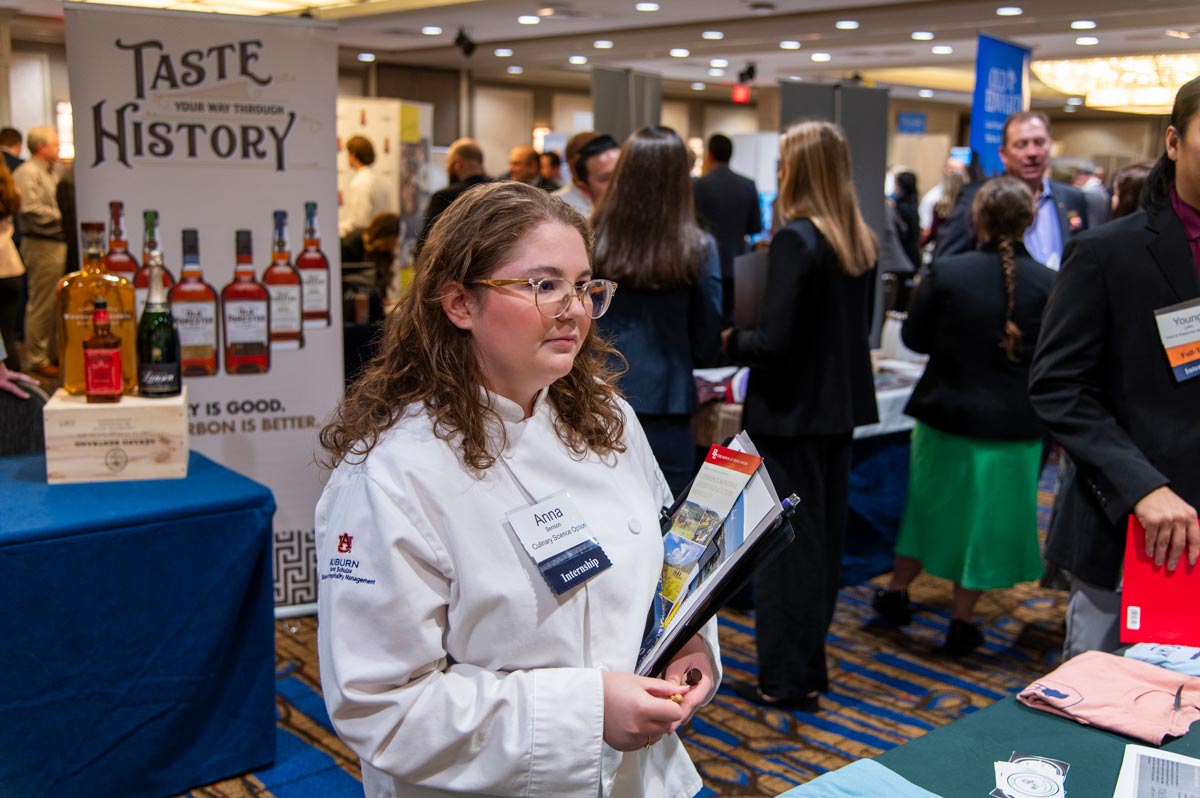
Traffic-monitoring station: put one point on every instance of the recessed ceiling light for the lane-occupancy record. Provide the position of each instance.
(1086, 41)
(697, 86)
(716, 73)
(941, 49)
(789, 44)
(1009, 11)
(1083, 24)
(502, 52)
(922, 35)
(366, 58)
(821, 57)
(926, 93)
(578, 60)
(1074, 101)
(680, 52)
(515, 70)
(795, 78)
(431, 30)
(528, 19)
(720, 63)
(712, 35)
(846, 24)
(1179, 34)
(646, 6)
(602, 44)
(545, 12)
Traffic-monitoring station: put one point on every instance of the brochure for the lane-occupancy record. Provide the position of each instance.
(1152, 773)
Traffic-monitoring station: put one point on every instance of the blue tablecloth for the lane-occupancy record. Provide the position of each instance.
(136, 633)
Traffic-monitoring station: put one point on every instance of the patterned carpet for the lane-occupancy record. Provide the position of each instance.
(889, 687)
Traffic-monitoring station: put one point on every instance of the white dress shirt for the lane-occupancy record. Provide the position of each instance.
(365, 197)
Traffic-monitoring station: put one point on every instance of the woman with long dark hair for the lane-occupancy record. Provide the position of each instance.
(11, 268)
(668, 318)
(488, 540)
(971, 513)
(810, 385)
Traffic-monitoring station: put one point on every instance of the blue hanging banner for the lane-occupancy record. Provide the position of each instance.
(1001, 88)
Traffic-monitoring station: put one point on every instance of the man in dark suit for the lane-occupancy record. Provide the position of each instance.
(1102, 382)
(464, 169)
(728, 207)
(1061, 209)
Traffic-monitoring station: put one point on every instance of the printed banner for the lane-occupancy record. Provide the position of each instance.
(1001, 88)
(218, 123)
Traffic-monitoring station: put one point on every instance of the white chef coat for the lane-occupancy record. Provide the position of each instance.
(448, 665)
(366, 196)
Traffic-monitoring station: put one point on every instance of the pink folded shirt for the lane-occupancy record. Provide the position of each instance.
(1118, 694)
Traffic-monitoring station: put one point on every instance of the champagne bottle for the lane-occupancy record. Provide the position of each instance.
(158, 338)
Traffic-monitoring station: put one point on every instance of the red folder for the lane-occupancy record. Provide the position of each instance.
(1158, 606)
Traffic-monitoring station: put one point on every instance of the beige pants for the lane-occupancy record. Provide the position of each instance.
(45, 262)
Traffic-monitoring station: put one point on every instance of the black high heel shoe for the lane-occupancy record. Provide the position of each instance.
(962, 638)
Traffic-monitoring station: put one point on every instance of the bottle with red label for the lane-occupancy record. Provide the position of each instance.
(118, 260)
(284, 286)
(246, 316)
(102, 357)
(314, 272)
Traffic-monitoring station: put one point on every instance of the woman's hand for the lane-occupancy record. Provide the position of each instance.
(676, 672)
(638, 710)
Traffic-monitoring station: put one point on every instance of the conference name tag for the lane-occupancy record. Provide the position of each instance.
(555, 535)
(1179, 329)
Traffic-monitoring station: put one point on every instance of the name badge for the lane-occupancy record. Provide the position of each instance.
(1179, 329)
(555, 535)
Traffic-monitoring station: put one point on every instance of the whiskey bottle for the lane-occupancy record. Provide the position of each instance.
(314, 272)
(117, 259)
(158, 339)
(141, 281)
(283, 285)
(76, 294)
(246, 316)
(102, 357)
(194, 306)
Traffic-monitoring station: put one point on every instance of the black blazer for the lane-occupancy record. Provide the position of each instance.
(970, 387)
(956, 233)
(810, 363)
(1101, 382)
(442, 199)
(727, 203)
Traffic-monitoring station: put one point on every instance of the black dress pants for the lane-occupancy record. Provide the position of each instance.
(795, 592)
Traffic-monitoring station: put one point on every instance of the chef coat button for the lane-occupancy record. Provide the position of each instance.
(635, 526)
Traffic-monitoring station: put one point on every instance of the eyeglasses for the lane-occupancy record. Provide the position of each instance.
(553, 295)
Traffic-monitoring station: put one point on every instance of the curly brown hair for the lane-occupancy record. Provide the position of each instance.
(424, 359)
(10, 196)
(1004, 208)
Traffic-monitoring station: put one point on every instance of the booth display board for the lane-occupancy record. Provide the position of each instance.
(378, 120)
(216, 122)
(416, 139)
(1001, 89)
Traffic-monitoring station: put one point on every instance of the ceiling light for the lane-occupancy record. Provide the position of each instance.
(712, 35)
(846, 24)
(698, 86)
(795, 78)
(1070, 109)
(789, 44)
(1074, 101)
(577, 60)
(646, 6)
(716, 73)
(679, 52)
(941, 49)
(922, 35)
(1144, 84)
(1179, 34)
(1086, 41)
(821, 57)
(366, 58)
(431, 30)
(545, 12)
(528, 20)
(1009, 11)
(515, 70)
(720, 63)
(1083, 24)
(926, 93)
(502, 52)
(602, 44)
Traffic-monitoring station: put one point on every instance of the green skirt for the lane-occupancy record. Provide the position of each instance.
(971, 512)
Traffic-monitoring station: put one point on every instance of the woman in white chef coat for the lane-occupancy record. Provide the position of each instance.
(462, 651)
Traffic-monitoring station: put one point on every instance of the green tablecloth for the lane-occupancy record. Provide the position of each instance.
(955, 761)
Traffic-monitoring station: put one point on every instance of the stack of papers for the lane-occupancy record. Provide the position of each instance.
(1151, 773)
(1028, 776)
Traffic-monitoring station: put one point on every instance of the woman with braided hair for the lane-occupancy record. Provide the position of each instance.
(971, 513)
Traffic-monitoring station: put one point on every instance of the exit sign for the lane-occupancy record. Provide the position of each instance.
(741, 94)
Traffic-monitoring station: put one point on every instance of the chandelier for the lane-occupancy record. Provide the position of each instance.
(1138, 84)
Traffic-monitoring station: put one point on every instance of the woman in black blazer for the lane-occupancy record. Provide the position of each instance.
(666, 320)
(971, 512)
(810, 385)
